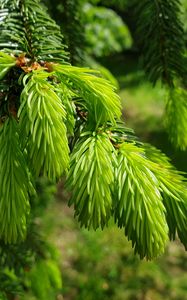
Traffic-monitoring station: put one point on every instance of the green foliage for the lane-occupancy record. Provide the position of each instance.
(105, 31)
(18, 261)
(138, 203)
(26, 28)
(176, 117)
(41, 121)
(159, 22)
(145, 202)
(90, 179)
(164, 57)
(99, 95)
(9, 284)
(67, 97)
(107, 75)
(93, 64)
(14, 182)
(174, 199)
(43, 100)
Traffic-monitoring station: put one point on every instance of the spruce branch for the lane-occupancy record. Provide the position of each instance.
(138, 203)
(90, 178)
(26, 28)
(102, 103)
(67, 98)
(43, 131)
(15, 184)
(110, 171)
(159, 21)
(173, 188)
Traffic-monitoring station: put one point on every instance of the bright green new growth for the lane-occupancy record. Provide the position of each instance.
(174, 193)
(66, 97)
(102, 103)
(109, 174)
(90, 179)
(138, 202)
(14, 183)
(43, 131)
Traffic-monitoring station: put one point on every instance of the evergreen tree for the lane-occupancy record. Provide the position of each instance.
(58, 119)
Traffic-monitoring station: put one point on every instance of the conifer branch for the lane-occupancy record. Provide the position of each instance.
(26, 28)
(138, 203)
(173, 188)
(90, 178)
(102, 103)
(43, 131)
(110, 172)
(158, 21)
(15, 184)
(66, 97)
